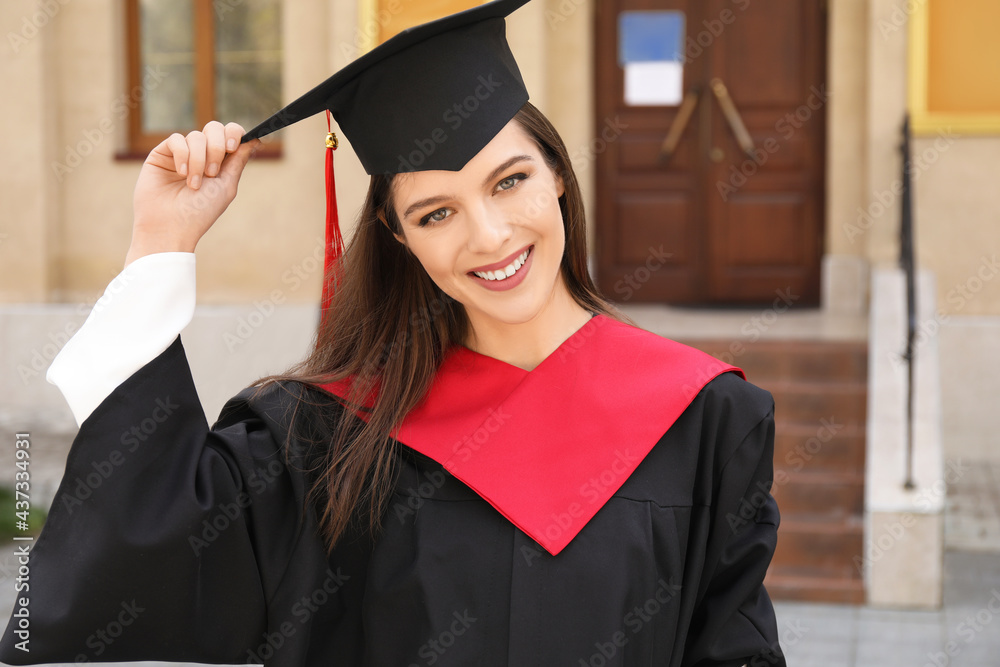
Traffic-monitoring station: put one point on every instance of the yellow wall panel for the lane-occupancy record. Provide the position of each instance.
(954, 67)
(404, 14)
(963, 58)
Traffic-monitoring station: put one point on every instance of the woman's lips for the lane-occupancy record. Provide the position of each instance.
(502, 263)
(507, 282)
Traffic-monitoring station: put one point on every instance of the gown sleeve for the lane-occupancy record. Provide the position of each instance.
(139, 315)
(733, 622)
(166, 539)
(163, 538)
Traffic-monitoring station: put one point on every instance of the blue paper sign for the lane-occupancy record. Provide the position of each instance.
(650, 36)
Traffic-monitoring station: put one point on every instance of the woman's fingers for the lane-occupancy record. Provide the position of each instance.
(234, 132)
(177, 145)
(202, 154)
(215, 147)
(197, 149)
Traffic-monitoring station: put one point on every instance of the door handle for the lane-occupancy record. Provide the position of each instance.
(676, 130)
(733, 117)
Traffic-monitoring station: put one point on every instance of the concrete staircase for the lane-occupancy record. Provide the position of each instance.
(820, 395)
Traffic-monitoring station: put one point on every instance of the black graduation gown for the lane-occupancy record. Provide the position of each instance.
(170, 540)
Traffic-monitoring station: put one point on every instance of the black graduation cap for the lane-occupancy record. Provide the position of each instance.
(431, 97)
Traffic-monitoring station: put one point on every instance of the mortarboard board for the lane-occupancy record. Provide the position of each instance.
(431, 97)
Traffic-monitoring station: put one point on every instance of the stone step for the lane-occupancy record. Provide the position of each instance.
(833, 447)
(817, 547)
(818, 403)
(815, 588)
(784, 359)
(819, 495)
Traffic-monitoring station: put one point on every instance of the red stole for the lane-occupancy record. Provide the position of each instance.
(548, 447)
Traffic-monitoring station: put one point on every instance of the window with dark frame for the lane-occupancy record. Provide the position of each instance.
(192, 61)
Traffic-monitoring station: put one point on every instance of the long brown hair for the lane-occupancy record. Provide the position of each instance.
(388, 329)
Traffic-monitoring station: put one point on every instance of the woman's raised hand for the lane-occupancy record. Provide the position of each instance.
(184, 186)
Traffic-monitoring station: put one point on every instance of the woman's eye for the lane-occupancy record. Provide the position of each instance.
(440, 214)
(510, 181)
(436, 216)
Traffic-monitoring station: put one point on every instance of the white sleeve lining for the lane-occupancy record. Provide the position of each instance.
(141, 313)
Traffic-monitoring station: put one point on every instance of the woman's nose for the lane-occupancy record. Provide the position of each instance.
(489, 229)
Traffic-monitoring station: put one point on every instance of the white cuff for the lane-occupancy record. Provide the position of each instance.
(141, 313)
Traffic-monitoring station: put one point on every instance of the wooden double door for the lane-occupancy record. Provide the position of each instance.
(717, 196)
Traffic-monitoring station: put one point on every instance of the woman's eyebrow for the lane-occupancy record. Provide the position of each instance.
(430, 201)
(507, 164)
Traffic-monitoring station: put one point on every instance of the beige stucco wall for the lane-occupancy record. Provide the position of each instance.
(958, 221)
(26, 201)
(569, 87)
(846, 127)
(886, 104)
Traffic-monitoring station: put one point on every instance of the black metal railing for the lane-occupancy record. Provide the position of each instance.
(907, 263)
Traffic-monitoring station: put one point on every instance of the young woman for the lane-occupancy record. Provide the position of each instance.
(479, 464)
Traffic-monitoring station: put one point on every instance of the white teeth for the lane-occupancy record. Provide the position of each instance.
(506, 272)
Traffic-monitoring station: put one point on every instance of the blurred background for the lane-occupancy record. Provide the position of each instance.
(747, 191)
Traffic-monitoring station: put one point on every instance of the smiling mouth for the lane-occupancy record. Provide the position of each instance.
(507, 271)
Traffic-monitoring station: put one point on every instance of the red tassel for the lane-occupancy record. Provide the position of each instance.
(334, 239)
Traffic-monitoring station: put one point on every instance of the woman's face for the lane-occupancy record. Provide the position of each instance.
(491, 235)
